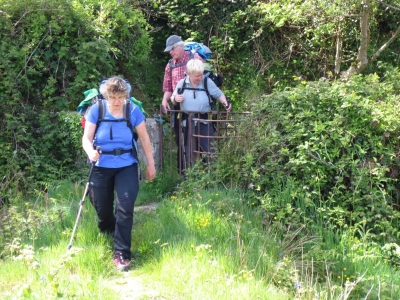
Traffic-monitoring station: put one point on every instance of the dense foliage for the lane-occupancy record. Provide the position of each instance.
(261, 45)
(52, 51)
(332, 147)
(318, 159)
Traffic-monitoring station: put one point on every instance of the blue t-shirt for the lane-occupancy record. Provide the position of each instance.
(122, 137)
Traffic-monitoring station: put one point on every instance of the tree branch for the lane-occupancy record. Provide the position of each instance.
(384, 46)
(34, 50)
(388, 5)
(30, 11)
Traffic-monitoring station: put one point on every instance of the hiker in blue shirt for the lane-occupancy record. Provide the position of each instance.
(193, 97)
(116, 168)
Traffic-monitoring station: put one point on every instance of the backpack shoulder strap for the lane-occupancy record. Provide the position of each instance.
(210, 101)
(127, 113)
(173, 66)
(183, 87)
(127, 116)
(205, 89)
(102, 112)
(100, 117)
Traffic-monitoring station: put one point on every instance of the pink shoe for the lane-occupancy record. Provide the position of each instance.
(120, 262)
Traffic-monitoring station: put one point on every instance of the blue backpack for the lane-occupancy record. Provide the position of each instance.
(205, 53)
(199, 48)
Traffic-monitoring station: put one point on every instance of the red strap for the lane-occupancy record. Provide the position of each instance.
(83, 121)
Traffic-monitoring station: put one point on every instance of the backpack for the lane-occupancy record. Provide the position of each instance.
(126, 113)
(204, 52)
(211, 100)
(199, 48)
(93, 96)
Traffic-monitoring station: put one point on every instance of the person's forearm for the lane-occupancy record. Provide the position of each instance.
(223, 100)
(148, 152)
(87, 145)
(92, 154)
(166, 97)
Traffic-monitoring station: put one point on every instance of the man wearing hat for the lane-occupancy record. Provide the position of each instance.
(176, 67)
(174, 72)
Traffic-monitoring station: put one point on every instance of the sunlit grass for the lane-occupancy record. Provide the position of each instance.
(201, 244)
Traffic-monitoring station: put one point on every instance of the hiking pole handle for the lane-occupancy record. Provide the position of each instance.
(98, 149)
(228, 101)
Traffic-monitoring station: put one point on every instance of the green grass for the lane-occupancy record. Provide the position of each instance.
(207, 244)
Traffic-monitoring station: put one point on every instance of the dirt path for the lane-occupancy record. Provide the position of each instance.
(130, 285)
(147, 208)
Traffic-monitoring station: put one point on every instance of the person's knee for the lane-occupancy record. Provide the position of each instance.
(125, 206)
(107, 225)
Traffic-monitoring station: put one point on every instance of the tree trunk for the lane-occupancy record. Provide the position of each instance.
(362, 56)
(338, 55)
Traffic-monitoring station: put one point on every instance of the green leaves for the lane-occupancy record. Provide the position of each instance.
(336, 143)
(52, 51)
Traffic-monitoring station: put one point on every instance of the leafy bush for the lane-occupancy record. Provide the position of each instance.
(335, 143)
(52, 51)
(262, 44)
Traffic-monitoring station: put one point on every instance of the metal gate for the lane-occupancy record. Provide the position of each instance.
(194, 136)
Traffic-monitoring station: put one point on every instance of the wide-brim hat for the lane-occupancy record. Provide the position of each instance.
(171, 41)
(90, 94)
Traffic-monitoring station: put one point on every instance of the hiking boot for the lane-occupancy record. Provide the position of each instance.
(120, 262)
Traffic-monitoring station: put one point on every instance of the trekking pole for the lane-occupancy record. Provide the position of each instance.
(82, 201)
